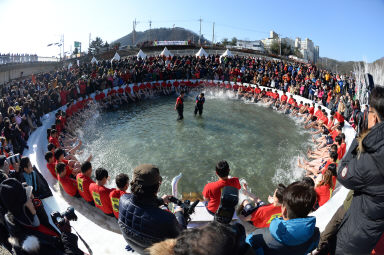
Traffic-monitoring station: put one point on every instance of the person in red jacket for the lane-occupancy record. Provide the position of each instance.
(51, 164)
(262, 215)
(122, 183)
(284, 97)
(54, 139)
(324, 188)
(84, 180)
(212, 191)
(179, 106)
(100, 193)
(71, 165)
(68, 184)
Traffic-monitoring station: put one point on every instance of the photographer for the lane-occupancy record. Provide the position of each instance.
(4, 166)
(24, 220)
(141, 220)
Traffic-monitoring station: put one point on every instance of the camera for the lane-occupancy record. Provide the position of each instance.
(187, 206)
(229, 200)
(249, 209)
(59, 218)
(13, 159)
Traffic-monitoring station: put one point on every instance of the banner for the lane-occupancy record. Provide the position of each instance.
(164, 43)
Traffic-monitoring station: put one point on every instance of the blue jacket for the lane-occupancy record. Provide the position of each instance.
(296, 236)
(143, 223)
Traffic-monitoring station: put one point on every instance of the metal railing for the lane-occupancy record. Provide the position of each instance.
(17, 59)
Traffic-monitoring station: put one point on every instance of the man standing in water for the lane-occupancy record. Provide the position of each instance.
(200, 100)
(179, 106)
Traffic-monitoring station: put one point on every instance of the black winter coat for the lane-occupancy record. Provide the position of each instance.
(363, 223)
(27, 240)
(143, 223)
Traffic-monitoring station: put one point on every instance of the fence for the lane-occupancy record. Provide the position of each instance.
(24, 58)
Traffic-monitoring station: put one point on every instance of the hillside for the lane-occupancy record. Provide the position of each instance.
(161, 34)
(182, 34)
(344, 66)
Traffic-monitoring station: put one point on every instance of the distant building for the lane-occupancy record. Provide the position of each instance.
(252, 45)
(273, 37)
(307, 48)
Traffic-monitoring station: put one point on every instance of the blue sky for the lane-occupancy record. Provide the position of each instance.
(343, 29)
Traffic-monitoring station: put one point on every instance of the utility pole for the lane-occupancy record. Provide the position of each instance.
(63, 47)
(134, 32)
(213, 33)
(150, 26)
(200, 31)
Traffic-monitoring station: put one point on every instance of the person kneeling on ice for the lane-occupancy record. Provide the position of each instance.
(122, 183)
(100, 193)
(293, 233)
(141, 220)
(28, 226)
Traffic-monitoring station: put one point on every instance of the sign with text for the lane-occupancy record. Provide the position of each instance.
(164, 43)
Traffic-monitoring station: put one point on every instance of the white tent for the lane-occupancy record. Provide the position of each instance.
(166, 53)
(94, 60)
(141, 54)
(227, 53)
(201, 53)
(116, 57)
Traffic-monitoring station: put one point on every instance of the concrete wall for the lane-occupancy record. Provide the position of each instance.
(13, 71)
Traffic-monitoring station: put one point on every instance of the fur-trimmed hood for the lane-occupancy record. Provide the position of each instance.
(30, 244)
(163, 248)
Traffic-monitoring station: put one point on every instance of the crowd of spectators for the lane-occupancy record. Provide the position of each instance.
(23, 104)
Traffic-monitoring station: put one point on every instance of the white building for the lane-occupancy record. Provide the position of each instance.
(307, 48)
(252, 45)
(273, 37)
